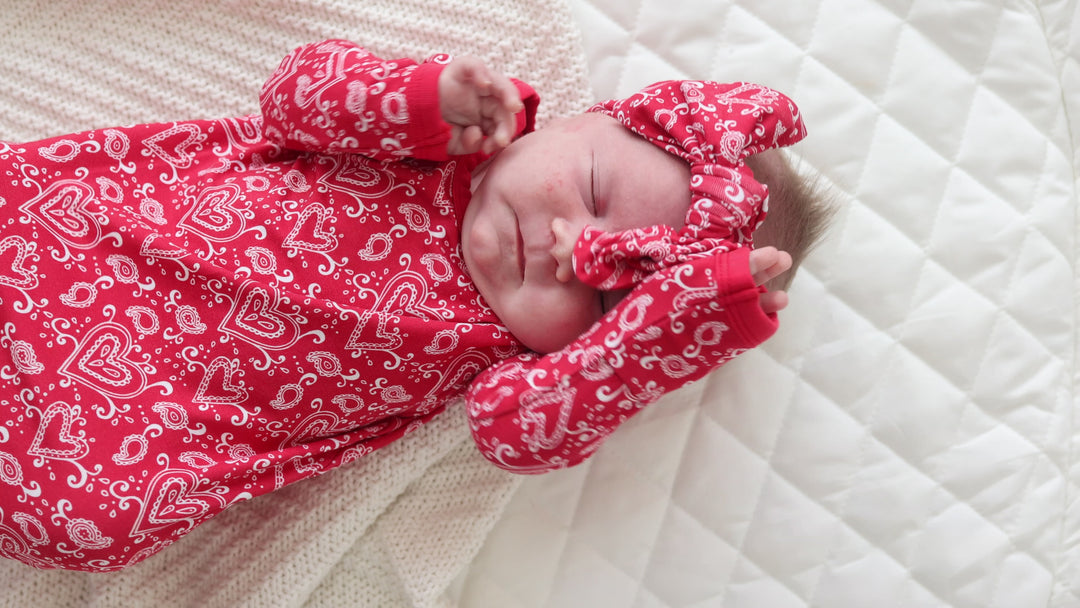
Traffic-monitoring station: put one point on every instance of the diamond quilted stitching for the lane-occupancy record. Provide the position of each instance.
(606, 43)
(735, 472)
(684, 44)
(891, 273)
(940, 297)
(830, 105)
(1021, 150)
(797, 22)
(539, 517)
(941, 27)
(687, 578)
(842, 47)
(1008, 75)
(588, 578)
(743, 35)
(930, 103)
(897, 191)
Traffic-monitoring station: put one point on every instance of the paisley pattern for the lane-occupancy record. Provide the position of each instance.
(193, 314)
(533, 414)
(196, 313)
(694, 305)
(714, 127)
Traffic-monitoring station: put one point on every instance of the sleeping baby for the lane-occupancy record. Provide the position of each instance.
(200, 312)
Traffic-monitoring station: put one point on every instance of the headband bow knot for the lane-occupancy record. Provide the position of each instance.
(714, 127)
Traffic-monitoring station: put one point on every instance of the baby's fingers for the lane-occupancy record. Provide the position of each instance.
(489, 83)
(471, 70)
(503, 89)
(499, 126)
(768, 263)
(464, 140)
(773, 301)
(500, 108)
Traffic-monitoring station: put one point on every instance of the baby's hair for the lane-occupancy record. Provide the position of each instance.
(800, 210)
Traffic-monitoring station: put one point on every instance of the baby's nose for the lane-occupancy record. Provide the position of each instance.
(566, 237)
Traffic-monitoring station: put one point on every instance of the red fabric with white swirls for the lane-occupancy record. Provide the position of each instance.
(195, 313)
(694, 305)
(714, 127)
(533, 414)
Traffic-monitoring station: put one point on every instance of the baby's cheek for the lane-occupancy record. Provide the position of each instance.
(554, 183)
(567, 308)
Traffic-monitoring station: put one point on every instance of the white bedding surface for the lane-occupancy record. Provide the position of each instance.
(911, 437)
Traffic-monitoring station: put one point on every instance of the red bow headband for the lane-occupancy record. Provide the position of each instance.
(714, 127)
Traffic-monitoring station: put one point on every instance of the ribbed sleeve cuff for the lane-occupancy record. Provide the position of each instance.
(741, 297)
(426, 114)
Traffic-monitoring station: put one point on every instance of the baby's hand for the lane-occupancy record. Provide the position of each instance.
(479, 104)
(766, 264)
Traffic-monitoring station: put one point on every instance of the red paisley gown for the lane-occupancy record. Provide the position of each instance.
(196, 313)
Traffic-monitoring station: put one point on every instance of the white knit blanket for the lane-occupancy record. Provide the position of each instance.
(394, 528)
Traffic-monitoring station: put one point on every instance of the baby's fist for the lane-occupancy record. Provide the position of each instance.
(479, 104)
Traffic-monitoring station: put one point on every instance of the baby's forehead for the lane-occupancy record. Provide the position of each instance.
(588, 123)
(608, 130)
(640, 183)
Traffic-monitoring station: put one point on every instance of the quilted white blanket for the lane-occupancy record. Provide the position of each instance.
(394, 528)
(911, 437)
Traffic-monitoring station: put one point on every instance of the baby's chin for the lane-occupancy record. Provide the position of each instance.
(546, 329)
(542, 341)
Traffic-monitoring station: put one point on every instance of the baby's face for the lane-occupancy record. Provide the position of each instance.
(532, 204)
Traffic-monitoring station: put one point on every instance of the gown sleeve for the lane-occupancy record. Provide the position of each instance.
(336, 97)
(535, 413)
